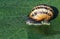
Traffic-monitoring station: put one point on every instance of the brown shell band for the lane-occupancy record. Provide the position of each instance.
(43, 7)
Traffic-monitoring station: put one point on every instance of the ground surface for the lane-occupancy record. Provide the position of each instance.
(12, 20)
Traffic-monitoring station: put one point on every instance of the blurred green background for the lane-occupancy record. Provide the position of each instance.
(12, 20)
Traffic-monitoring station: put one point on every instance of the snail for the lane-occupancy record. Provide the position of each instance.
(40, 15)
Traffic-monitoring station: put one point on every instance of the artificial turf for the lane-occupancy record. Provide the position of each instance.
(12, 20)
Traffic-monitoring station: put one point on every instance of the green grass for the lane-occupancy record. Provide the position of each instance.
(12, 20)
